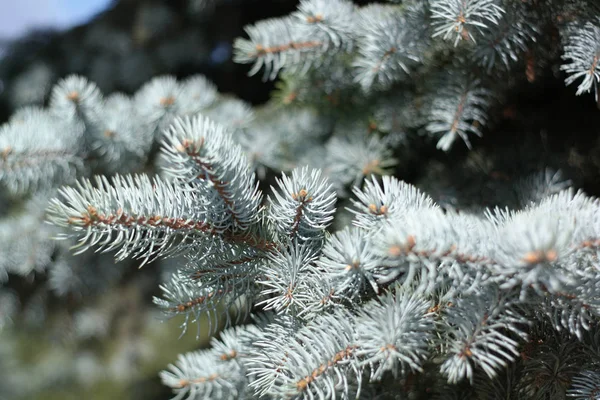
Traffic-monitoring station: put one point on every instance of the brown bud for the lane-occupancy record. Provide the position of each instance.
(73, 96)
(183, 383)
(6, 152)
(167, 101)
(551, 255)
(395, 251)
(317, 18)
(535, 257)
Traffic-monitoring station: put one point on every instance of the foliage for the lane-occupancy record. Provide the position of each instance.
(332, 277)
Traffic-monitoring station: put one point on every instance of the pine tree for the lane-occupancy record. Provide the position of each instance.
(326, 275)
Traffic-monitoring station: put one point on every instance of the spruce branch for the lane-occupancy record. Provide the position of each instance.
(391, 199)
(163, 98)
(288, 279)
(24, 244)
(535, 252)
(549, 369)
(529, 247)
(387, 49)
(317, 362)
(37, 152)
(279, 140)
(120, 139)
(219, 281)
(586, 385)
(393, 332)
(503, 44)
(459, 108)
(478, 332)
(299, 41)
(459, 18)
(417, 247)
(74, 97)
(194, 299)
(351, 159)
(275, 44)
(157, 101)
(405, 293)
(200, 152)
(333, 19)
(350, 264)
(197, 94)
(583, 51)
(203, 375)
(232, 113)
(143, 218)
(572, 311)
(303, 206)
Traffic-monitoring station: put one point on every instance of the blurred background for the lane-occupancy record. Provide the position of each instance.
(120, 44)
(19, 17)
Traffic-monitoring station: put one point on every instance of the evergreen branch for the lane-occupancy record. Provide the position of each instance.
(332, 19)
(157, 102)
(280, 140)
(143, 218)
(287, 281)
(350, 264)
(219, 372)
(203, 153)
(459, 17)
(214, 267)
(508, 40)
(163, 98)
(197, 94)
(183, 295)
(236, 343)
(477, 330)
(26, 246)
(576, 307)
(234, 114)
(413, 293)
(315, 363)
(586, 386)
(276, 44)
(299, 41)
(349, 160)
(202, 375)
(304, 205)
(550, 367)
(387, 50)
(583, 49)
(37, 152)
(540, 185)
(417, 247)
(532, 251)
(393, 331)
(459, 108)
(390, 200)
(74, 97)
(119, 137)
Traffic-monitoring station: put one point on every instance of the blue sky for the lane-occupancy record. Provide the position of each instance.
(17, 16)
